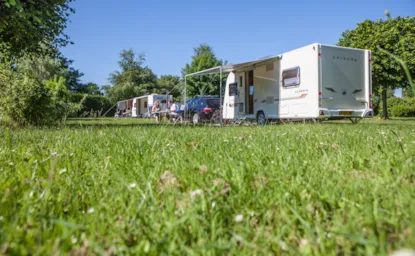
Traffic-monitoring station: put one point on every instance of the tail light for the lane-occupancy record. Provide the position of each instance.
(321, 113)
(207, 110)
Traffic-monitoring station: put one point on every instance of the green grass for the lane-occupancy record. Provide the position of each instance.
(93, 187)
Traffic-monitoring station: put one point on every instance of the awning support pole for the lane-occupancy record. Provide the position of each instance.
(184, 98)
(221, 102)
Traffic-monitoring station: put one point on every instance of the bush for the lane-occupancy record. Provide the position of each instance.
(91, 105)
(400, 107)
(28, 101)
(403, 111)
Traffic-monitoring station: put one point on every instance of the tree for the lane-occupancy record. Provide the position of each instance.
(203, 58)
(170, 83)
(134, 79)
(46, 67)
(27, 100)
(33, 26)
(89, 88)
(389, 40)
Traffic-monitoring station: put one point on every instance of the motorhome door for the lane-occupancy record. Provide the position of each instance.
(249, 92)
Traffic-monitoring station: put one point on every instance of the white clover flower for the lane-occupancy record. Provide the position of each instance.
(239, 218)
(272, 162)
(132, 185)
(90, 210)
(213, 204)
(62, 171)
(31, 194)
(196, 193)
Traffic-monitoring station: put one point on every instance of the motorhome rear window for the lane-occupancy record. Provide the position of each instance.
(291, 77)
(233, 89)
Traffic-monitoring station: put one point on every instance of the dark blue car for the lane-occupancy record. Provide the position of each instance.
(201, 108)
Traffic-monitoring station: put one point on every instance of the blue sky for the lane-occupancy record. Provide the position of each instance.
(167, 31)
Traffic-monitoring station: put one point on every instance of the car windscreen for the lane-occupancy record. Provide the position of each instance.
(213, 103)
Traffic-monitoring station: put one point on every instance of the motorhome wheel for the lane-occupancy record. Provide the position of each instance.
(261, 119)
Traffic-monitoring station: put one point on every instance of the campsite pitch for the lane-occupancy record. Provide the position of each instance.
(132, 187)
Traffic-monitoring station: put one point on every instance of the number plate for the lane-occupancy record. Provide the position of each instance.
(346, 113)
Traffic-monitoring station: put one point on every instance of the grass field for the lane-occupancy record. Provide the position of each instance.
(131, 187)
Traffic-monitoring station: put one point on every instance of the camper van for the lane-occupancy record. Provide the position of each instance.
(142, 105)
(313, 82)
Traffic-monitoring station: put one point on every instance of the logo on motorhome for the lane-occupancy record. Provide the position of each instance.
(344, 58)
(300, 91)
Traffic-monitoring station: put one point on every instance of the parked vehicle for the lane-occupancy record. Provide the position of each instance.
(141, 106)
(201, 108)
(313, 82)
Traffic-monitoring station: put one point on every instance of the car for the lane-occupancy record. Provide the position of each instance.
(201, 108)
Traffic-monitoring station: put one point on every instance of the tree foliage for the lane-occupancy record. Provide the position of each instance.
(134, 78)
(33, 26)
(170, 83)
(203, 58)
(88, 88)
(90, 105)
(27, 100)
(394, 36)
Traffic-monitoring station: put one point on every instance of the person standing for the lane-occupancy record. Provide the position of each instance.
(156, 110)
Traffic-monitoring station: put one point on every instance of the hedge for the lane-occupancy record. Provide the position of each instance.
(400, 107)
(92, 105)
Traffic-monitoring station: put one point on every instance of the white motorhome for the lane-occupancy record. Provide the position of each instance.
(313, 82)
(142, 105)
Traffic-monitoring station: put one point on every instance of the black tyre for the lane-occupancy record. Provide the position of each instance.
(260, 119)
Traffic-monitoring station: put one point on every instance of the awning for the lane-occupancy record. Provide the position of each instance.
(235, 67)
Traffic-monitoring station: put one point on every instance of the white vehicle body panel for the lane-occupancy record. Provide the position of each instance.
(142, 105)
(295, 86)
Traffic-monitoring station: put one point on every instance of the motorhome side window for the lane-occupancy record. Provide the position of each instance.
(291, 77)
(233, 89)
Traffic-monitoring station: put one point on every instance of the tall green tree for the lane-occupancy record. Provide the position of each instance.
(134, 79)
(203, 58)
(89, 88)
(46, 67)
(170, 83)
(392, 42)
(33, 26)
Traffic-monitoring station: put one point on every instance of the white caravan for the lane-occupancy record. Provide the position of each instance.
(313, 82)
(142, 106)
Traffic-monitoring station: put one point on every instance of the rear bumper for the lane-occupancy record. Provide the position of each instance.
(346, 113)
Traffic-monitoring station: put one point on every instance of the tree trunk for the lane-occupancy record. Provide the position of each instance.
(384, 103)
